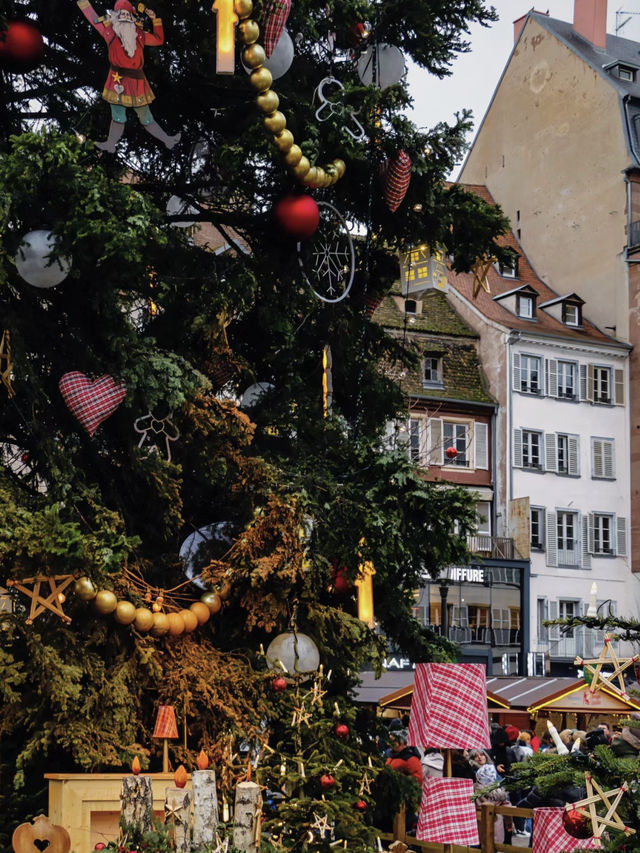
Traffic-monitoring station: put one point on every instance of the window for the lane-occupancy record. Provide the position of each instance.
(563, 454)
(568, 610)
(525, 307)
(603, 460)
(530, 374)
(432, 372)
(571, 314)
(509, 271)
(602, 533)
(483, 518)
(601, 384)
(415, 440)
(531, 442)
(410, 306)
(626, 73)
(537, 527)
(456, 436)
(567, 379)
(567, 541)
(543, 616)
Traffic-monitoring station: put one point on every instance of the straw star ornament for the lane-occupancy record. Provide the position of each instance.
(610, 799)
(593, 669)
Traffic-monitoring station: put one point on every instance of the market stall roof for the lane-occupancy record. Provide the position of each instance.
(510, 693)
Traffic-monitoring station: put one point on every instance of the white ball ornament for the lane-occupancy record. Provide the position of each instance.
(254, 393)
(280, 60)
(34, 264)
(297, 652)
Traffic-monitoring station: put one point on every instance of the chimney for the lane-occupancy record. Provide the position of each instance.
(590, 21)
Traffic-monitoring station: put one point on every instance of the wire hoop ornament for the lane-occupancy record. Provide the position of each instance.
(328, 260)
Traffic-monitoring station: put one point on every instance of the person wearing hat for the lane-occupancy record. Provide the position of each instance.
(126, 84)
(405, 759)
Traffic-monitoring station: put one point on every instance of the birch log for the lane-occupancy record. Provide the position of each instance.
(177, 818)
(205, 807)
(246, 818)
(136, 798)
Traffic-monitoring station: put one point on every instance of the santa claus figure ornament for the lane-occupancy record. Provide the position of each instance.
(126, 85)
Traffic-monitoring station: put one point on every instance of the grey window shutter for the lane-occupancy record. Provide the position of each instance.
(590, 382)
(517, 448)
(554, 630)
(583, 381)
(552, 539)
(436, 456)
(597, 462)
(552, 377)
(550, 451)
(586, 555)
(515, 371)
(618, 387)
(608, 459)
(621, 536)
(481, 445)
(573, 451)
(590, 532)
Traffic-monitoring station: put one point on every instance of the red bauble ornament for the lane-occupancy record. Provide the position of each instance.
(339, 578)
(327, 781)
(576, 824)
(298, 215)
(100, 846)
(342, 731)
(21, 47)
(451, 453)
(279, 684)
(358, 33)
(361, 806)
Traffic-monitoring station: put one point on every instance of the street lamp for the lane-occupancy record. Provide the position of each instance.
(444, 592)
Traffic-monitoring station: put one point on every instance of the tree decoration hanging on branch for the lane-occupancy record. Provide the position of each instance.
(126, 85)
(611, 800)
(273, 22)
(51, 600)
(6, 367)
(153, 430)
(593, 670)
(91, 402)
(396, 177)
(480, 272)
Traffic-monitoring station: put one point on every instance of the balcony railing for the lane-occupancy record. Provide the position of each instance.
(493, 547)
(584, 642)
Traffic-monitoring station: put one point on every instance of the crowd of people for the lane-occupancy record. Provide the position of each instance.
(486, 768)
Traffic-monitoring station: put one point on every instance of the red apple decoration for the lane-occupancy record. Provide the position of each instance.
(361, 806)
(21, 47)
(451, 452)
(279, 684)
(298, 215)
(342, 731)
(327, 781)
(340, 579)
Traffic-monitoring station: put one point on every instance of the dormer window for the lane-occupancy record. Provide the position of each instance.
(432, 372)
(525, 306)
(626, 73)
(571, 314)
(509, 270)
(410, 306)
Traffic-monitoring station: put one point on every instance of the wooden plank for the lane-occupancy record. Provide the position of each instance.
(487, 818)
(514, 811)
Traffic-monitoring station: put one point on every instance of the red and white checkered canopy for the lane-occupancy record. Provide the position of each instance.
(550, 836)
(447, 814)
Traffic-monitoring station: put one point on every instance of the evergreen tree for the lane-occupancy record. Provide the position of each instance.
(291, 500)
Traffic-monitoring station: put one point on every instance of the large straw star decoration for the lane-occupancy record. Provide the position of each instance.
(480, 270)
(53, 597)
(587, 807)
(321, 824)
(593, 668)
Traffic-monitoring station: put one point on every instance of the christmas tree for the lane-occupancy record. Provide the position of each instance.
(194, 423)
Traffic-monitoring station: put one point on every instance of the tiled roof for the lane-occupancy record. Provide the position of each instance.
(438, 316)
(500, 285)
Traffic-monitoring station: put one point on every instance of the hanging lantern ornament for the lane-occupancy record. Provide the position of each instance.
(21, 47)
(34, 263)
(396, 177)
(296, 653)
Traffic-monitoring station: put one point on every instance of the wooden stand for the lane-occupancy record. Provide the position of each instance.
(448, 773)
(205, 807)
(246, 819)
(177, 818)
(137, 803)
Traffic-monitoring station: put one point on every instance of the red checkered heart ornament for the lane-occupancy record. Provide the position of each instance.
(274, 19)
(91, 402)
(395, 175)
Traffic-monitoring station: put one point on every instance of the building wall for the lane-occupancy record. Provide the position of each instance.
(551, 151)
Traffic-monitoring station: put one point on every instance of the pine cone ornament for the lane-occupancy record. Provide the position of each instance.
(396, 175)
(273, 22)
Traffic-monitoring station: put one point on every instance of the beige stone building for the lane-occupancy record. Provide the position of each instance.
(559, 150)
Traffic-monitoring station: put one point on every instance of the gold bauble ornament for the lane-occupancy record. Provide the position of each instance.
(275, 122)
(254, 56)
(225, 590)
(84, 589)
(311, 176)
(268, 101)
(201, 611)
(301, 168)
(284, 140)
(213, 601)
(243, 8)
(261, 79)
(176, 624)
(293, 155)
(190, 620)
(144, 619)
(160, 624)
(125, 613)
(105, 601)
(249, 32)
(341, 167)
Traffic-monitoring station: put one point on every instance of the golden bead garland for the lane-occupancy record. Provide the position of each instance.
(267, 101)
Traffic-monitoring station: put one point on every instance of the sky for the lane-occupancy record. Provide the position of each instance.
(476, 74)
